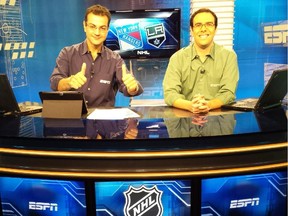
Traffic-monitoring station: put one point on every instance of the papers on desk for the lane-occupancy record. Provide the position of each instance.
(147, 102)
(112, 114)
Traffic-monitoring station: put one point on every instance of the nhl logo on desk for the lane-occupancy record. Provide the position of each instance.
(143, 201)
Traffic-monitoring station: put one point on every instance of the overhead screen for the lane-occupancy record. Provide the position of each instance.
(144, 33)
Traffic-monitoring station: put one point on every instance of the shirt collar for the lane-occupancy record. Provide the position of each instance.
(195, 55)
(85, 49)
(193, 51)
(212, 51)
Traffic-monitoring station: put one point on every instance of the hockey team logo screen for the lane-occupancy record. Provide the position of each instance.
(143, 201)
(129, 36)
(155, 35)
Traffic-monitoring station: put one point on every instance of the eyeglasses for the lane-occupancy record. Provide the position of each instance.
(208, 25)
(102, 29)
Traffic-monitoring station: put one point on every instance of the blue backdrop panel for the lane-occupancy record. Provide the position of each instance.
(31, 38)
(249, 44)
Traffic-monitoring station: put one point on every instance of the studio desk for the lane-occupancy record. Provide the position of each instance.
(170, 144)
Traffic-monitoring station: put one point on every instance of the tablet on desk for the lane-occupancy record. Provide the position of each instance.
(63, 104)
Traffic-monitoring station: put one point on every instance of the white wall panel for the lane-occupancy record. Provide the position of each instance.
(224, 10)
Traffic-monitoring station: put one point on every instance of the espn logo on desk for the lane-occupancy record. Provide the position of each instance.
(242, 203)
(42, 197)
(256, 194)
(42, 206)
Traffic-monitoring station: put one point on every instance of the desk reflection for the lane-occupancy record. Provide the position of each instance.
(200, 125)
(171, 123)
(107, 129)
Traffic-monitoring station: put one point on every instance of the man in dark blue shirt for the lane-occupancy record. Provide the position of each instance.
(91, 67)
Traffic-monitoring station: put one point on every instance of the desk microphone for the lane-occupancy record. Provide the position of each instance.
(202, 71)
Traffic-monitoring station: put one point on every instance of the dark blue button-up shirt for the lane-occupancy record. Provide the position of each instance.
(104, 74)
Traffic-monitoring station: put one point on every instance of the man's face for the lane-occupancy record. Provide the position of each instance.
(203, 29)
(96, 29)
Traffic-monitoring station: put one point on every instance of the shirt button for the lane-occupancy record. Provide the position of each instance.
(89, 89)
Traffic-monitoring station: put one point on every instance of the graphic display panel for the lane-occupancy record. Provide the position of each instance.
(260, 194)
(25, 196)
(144, 34)
(146, 198)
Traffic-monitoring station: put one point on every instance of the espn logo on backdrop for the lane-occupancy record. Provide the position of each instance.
(276, 33)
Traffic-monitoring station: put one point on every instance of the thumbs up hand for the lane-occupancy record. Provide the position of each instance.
(132, 131)
(79, 79)
(129, 81)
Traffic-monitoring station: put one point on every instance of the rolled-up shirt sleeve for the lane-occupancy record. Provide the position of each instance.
(172, 85)
(230, 78)
(61, 69)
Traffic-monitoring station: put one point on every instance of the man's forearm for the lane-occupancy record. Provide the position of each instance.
(215, 103)
(183, 104)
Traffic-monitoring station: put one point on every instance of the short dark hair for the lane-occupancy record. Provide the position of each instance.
(98, 10)
(203, 10)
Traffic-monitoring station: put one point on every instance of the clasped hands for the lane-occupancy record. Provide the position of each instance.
(200, 108)
(79, 79)
(199, 104)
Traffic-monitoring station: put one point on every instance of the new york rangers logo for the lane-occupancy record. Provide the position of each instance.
(155, 35)
(129, 36)
(143, 201)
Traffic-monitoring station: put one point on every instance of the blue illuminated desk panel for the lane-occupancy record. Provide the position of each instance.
(167, 162)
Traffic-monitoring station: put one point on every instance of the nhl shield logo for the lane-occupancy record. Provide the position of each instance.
(143, 201)
(155, 35)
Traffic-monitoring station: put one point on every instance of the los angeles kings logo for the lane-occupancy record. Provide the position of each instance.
(143, 201)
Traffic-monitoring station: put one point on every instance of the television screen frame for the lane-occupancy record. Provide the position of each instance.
(155, 197)
(42, 196)
(145, 33)
(247, 194)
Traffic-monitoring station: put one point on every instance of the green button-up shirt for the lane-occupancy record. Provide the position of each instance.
(216, 77)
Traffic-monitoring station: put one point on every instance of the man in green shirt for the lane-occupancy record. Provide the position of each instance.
(203, 75)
